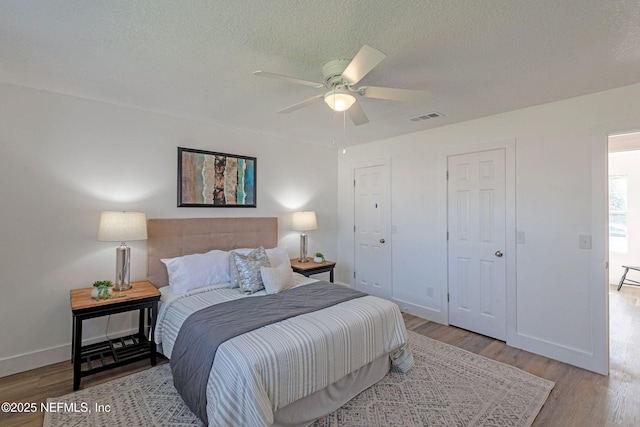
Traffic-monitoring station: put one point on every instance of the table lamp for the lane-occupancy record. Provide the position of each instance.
(303, 221)
(120, 227)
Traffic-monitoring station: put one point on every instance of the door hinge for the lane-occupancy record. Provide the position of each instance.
(354, 274)
(447, 175)
(354, 182)
(447, 235)
(447, 296)
(354, 228)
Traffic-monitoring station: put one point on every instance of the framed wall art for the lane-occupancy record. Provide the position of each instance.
(210, 179)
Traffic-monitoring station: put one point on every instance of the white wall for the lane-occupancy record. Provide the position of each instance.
(63, 160)
(560, 299)
(627, 163)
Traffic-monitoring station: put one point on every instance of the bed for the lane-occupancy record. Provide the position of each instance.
(287, 373)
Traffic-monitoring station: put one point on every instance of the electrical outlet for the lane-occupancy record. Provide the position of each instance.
(585, 241)
(520, 238)
(430, 292)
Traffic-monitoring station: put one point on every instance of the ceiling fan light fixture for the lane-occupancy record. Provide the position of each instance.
(339, 100)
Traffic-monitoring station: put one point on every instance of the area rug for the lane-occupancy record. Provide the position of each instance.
(447, 387)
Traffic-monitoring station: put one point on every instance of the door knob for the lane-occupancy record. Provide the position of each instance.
(499, 254)
(382, 240)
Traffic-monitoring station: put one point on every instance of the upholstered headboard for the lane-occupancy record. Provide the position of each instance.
(169, 238)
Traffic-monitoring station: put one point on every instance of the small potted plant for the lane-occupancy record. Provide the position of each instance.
(319, 258)
(102, 289)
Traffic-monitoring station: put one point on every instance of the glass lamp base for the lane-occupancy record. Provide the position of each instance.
(123, 256)
(303, 248)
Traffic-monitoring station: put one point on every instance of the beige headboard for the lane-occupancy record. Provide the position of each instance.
(169, 238)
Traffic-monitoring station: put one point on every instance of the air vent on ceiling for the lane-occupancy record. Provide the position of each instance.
(428, 116)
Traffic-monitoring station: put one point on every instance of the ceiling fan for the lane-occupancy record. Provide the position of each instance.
(341, 76)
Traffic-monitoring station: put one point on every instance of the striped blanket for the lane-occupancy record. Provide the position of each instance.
(256, 373)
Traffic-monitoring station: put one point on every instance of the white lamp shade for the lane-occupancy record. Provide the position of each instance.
(339, 101)
(304, 221)
(122, 226)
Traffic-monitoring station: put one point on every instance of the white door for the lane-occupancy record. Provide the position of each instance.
(372, 226)
(476, 218)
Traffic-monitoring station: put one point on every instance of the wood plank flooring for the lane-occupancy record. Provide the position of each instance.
(580, 398)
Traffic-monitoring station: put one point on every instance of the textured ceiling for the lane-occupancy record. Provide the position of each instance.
(196, 58)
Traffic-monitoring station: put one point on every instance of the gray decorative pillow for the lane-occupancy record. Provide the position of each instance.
(248, 268)
(233, 271)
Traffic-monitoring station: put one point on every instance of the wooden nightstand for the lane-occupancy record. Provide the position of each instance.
(308, 268)
(115, 352)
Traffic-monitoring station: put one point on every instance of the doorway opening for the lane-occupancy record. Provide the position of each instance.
(624, 205)
(624, 250)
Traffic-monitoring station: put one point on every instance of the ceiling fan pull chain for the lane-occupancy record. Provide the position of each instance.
(333, 142)
(344, 132)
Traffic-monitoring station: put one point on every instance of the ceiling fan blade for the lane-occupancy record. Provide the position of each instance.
(365, 60)
(289, 79)
(357, 115)
(302, 104)
(393, 94)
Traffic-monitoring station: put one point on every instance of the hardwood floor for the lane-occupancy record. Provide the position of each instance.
(51, 381)
(580, 398)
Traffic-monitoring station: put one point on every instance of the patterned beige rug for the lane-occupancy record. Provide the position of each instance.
(447, 387)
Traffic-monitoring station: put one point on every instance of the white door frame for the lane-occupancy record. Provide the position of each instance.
(509, 145)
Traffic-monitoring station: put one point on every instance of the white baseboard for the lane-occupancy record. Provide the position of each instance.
(48, 356)
(37, 359)
(421, 311)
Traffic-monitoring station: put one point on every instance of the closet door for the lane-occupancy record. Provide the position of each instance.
(372, 230)
(476, 218)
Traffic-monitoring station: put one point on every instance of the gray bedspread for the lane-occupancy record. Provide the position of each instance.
(204, 330)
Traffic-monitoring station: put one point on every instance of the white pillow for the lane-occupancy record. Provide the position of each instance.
(277, 279)
(197, 270)
(278, 256)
